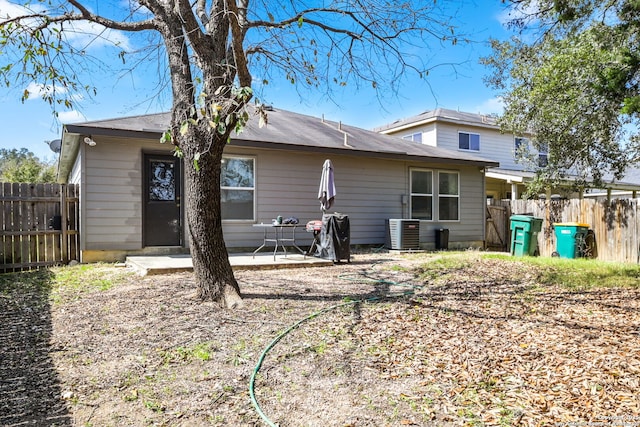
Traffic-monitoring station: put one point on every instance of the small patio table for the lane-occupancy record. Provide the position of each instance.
(279, 238)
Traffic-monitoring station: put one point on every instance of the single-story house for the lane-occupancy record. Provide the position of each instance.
(130, 184)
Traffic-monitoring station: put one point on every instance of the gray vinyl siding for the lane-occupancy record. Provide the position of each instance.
(369, 190)
(75, 175)
(430, 135)
(112, 204)
(493, 144)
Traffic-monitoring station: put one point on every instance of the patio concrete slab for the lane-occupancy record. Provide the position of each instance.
(163, 264)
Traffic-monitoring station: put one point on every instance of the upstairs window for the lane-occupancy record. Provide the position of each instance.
(521, 145)
(521, 150)
(543, 156)
(415, 137)
(468, 141)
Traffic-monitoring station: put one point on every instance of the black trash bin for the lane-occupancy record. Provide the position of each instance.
(335, 238)
(442, 239)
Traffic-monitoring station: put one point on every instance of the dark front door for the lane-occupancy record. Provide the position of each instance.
(161, 211)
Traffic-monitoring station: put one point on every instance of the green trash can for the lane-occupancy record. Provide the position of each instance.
(570, 239)
(524, 235)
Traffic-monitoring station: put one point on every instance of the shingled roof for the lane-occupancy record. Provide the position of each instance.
(441, 115)
(285, 130)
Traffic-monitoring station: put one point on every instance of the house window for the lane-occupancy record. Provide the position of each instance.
(237, 185)
(415, 137)
(448, 196)
(421, 194)
(521, 149)
(468, 141)
(521, 145)
(543, 156)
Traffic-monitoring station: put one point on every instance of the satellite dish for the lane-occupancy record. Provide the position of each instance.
(55, 145)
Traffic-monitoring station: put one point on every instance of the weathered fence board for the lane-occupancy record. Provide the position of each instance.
(497, 230)
(616, 223)
(39, 225)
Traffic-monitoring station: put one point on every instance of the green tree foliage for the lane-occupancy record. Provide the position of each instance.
(23, 166)
(570, 78)
(212, 51)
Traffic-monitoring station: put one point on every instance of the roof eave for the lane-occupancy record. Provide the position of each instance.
(88, 130)
(435, 119)
(68, 154)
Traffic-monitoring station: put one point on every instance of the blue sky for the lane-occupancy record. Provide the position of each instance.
(31, 123)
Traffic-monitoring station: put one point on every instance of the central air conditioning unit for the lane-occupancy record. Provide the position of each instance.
(403, 234)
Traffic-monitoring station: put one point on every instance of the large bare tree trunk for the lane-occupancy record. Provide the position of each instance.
(213, 273)
(212, 269)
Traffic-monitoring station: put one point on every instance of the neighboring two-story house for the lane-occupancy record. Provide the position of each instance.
(473, 133)
(480, 134)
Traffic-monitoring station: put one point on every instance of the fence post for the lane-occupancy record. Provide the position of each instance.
(64, 246)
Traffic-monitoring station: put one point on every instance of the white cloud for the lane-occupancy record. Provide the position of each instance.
(491, 106)
(72, 116)
(38, 90)
(9, 10)
(82, 35)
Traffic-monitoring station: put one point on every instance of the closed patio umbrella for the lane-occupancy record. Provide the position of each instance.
(335, 235)
(327, 190)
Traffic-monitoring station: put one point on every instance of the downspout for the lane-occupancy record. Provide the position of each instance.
(483, 171)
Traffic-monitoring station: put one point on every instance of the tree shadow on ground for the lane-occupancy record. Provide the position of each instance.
(362, 284)
(30, 392)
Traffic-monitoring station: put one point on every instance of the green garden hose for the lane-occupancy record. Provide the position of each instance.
(348, 277)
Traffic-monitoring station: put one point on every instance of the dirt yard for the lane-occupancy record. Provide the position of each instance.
(402, 341)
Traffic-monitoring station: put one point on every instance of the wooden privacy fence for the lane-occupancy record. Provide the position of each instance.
(39, 225)
(616, 223)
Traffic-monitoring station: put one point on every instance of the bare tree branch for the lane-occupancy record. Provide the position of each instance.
(238, 22)
(85, 14)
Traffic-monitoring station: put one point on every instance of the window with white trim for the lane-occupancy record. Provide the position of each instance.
(237, 188)
(543, 155)
(448, 196)
(415, 137)
(521, 146)
(468, 141)
(421, 194)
